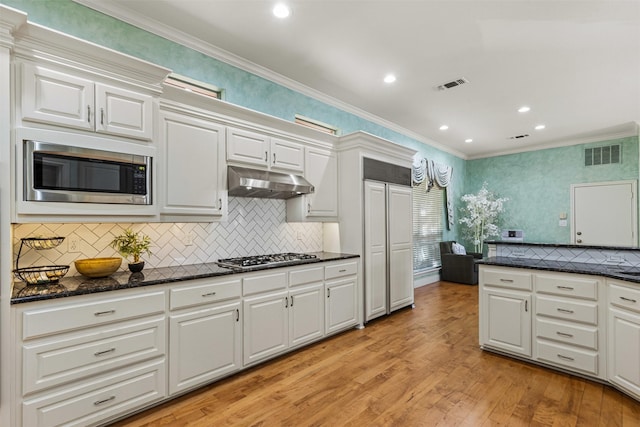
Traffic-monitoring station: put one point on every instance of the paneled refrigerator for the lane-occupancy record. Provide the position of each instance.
(388, 235)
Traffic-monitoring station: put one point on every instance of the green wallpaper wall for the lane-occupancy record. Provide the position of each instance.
(538, 184)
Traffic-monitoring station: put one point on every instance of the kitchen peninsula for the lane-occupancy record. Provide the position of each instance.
(569, 307)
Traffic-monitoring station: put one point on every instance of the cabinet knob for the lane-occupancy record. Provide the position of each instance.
(579, 241)
(579, 233)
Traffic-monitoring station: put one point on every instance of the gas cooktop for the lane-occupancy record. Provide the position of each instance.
(271, 259)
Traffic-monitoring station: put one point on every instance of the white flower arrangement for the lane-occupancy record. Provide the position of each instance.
(480, 214)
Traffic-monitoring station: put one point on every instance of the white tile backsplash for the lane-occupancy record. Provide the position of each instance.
(254, 226)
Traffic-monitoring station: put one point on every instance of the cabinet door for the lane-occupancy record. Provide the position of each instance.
(306, 314)
(204, 345)
(247, 147)
(505, 321)
(400, 241)
(266, 326)
(123, 112)
(624, 350)
(341, 304)
(321, 170)
(287, 156)
(192, 178)
(53, 97)
(375, 257)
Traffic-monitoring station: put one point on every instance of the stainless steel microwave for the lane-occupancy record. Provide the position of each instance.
(62, 173)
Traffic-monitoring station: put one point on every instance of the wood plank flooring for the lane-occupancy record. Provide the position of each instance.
(417, 367)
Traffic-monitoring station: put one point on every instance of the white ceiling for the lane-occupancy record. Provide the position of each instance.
(575, 63)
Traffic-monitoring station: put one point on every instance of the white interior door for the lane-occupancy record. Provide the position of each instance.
(604, 214)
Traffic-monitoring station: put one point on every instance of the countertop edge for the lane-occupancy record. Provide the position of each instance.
(79, 285)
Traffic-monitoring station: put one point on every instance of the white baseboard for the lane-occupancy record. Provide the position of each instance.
(427, 278)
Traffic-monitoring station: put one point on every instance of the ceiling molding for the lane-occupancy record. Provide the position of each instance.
(227, 57)
(632, 129)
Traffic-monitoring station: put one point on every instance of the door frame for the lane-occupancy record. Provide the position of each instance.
(634, 188)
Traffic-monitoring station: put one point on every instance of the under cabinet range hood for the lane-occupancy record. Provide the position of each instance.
(245, 182)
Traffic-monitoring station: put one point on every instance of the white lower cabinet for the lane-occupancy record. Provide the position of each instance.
(91, 359)
(624, 337)
(205, 340)
(341, 289)
(289, 316)
(86, 360)
(505, 310)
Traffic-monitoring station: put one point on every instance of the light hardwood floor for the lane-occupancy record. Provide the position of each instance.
(417, 367)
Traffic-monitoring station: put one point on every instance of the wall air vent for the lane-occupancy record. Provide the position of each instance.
(524, 135)
(604, 155)
(452, 84)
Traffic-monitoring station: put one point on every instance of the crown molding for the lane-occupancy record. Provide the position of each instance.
(170, 33)
(625, 131)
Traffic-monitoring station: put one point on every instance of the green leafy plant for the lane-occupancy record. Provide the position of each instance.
(132, 244)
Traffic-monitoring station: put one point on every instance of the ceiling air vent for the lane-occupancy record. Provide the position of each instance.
(452, 84)
(524, 135)
(605, 155)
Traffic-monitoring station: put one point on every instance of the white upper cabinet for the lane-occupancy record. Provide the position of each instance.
(192, 176)
(255, 149)
(322, 172)
(58, 98)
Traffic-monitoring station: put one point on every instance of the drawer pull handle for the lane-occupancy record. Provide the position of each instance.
(103, 352)
(560, 356)
(104, 313)
(342, 271)
(100, 402)
(566, 288)
(564, 310)
(209, 294)
(507, 280)
(564, 334)
(88, 113)
(237, 315)
(628, 300)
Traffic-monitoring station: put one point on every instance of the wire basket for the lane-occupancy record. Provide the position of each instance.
(41, 275)
(39, 243)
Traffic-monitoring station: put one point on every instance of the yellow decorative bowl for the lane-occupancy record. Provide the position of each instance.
(98, 267)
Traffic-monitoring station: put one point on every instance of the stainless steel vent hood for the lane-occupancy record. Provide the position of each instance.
(245, 182)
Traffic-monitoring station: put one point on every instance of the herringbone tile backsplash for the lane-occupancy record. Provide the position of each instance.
(254, 226)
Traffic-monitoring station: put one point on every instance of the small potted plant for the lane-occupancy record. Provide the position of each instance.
(134, 244)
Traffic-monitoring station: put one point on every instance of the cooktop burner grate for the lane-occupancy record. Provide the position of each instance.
(252, 261)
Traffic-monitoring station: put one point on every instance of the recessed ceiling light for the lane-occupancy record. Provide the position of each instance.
(389, 78)
(444, 127)
(281, 10)
(468, 140)
(523, 109)
(540, 127)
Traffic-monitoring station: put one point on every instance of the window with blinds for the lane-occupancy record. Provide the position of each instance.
(427, 227)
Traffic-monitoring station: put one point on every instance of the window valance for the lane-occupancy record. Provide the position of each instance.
(434, 173)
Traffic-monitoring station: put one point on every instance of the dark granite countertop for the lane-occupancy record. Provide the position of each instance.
(620, 272)
(558, 245)
(80, 285)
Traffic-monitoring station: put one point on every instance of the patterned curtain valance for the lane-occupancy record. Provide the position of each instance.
(435, 173)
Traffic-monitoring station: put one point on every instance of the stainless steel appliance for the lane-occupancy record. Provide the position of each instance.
(246, 182)
(271, 259)
(63, 173)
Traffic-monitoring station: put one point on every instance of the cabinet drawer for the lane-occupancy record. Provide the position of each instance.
(505, 278)
(624, 297)
(81, 315)
(203, 293)
(264, 283)
(573, 358)
(566, 286)
(583, 336)
(82, 355)
(98, 400)
(306, 275)
(339, 270)
(585, 312)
